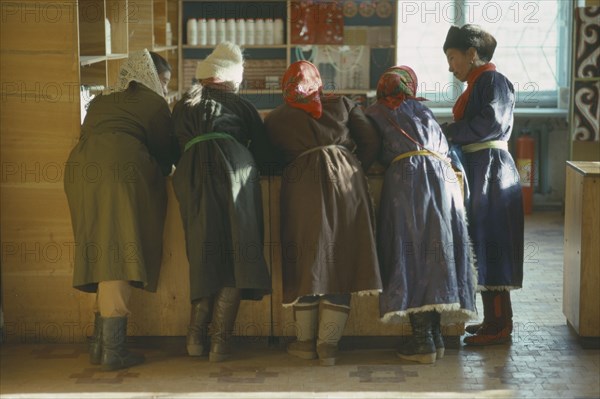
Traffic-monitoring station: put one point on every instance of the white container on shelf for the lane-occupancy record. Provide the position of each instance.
(278, 31)
(240, 32)
(230, 30)
(250, 32)
(107, 38)
(269, 31)
(259, 32)
(169, 34)
(211, 31)
(202, 32)
(192, 32)
(221, 30)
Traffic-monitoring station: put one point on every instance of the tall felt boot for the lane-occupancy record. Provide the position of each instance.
(96, 342)
(419, 347)
(497, 320)
(114, 354)
(197, 342)
(332, 321)
(225, 311)
(305, 346)
(436, 332)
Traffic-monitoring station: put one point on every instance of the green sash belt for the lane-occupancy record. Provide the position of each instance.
(207, 136)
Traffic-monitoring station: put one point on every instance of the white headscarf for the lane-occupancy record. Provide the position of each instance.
(225, 63)
(139, 67)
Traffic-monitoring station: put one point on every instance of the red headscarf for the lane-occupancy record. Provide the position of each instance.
(396, 85)
(302, 87)
(461, 104)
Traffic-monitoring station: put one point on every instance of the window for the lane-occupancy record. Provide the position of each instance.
(533, 45)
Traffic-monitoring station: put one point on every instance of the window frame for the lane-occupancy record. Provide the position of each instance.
(525, 97)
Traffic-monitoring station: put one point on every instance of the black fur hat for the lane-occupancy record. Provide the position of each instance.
(471, 36)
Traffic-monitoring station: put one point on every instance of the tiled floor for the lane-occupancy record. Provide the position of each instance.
(544, 360)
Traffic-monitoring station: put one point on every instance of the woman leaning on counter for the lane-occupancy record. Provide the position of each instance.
(217, 184)
(118, 211)
(327, 226)
(425, 255)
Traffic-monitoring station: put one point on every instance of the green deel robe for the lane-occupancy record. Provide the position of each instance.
(115, 185)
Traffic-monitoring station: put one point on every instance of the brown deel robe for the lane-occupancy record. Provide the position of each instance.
(327, 221)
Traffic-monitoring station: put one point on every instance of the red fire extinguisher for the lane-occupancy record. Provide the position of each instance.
(525, 162)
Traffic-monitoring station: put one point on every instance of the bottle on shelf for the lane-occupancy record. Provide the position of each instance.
(259, 32)
(268, 33)
(221, 32)
(169, 34)
(230, 30)
(240, 32)
(211, 31)
(107, 36)
(250, 32)
(202, 34)
(278, 31)
(192, 32)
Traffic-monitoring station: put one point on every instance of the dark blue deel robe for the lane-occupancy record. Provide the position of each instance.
(495, 209)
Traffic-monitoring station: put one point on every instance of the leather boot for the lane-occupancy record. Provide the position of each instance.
(472, 329)
(419, 347)
(114, 354)
(436, 332)
(96, 342)
(497, 320)
(197, 343)
(332, 321)
(305, 346)
(225, 311)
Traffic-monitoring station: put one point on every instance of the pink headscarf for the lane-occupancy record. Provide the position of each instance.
(396, 85)
(302, 87)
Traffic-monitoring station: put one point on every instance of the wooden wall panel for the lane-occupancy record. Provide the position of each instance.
(39, 124)
(42, 308)
(140, 25)
(92, 27)
(24, 21)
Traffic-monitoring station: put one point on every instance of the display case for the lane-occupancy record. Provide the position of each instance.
(351, 42)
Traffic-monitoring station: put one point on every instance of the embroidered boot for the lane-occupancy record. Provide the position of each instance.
(497, 320)
(305, 346)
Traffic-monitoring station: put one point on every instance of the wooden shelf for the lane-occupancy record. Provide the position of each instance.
(244, 46)
(86, 60)
(134, 25)
(164, 48)
(116, 56)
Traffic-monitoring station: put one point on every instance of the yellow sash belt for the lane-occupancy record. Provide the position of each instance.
(420, 152)
(498, 144)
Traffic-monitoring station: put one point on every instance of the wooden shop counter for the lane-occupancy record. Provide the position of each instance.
(581, 277)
